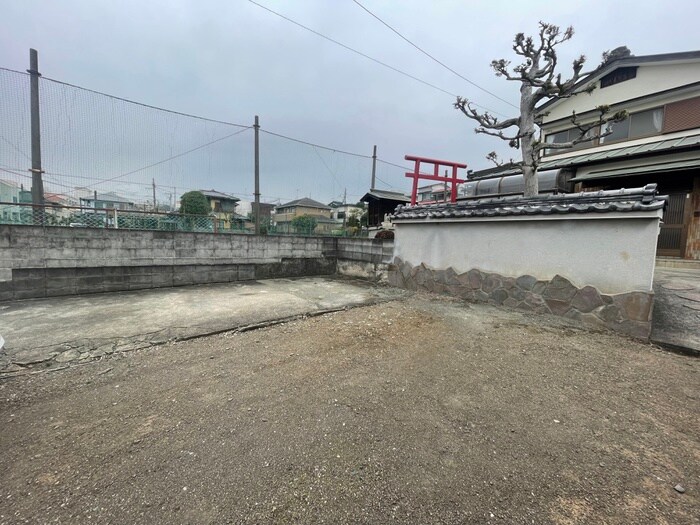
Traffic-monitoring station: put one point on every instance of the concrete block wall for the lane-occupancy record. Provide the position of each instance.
(44, 262)
(364, 258)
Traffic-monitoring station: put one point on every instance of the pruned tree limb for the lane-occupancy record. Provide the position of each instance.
(539, 80)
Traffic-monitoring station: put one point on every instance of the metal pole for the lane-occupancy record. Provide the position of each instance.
(374, 166)
(155, 207)
(345, 209)
(257, 176)
(37, 182)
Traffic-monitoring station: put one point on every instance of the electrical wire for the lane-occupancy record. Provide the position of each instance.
(348, 48)
(433, 58)
(315, 145)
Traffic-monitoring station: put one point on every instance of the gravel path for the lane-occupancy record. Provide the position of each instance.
(424, 410)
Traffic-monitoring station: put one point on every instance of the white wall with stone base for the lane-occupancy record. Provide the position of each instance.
(596, 269)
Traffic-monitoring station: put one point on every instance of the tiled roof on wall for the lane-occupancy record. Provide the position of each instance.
(626, 200)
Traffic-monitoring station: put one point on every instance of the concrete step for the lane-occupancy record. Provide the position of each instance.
(674, 262)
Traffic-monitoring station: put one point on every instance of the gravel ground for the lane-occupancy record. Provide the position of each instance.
(424, 410)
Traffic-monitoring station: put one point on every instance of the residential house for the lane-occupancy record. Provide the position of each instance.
(659, 142)
(340, 212)
(60, 205)
(106, 201)
(223, 207)
(438, 192)
(286, 213)
(11, 192)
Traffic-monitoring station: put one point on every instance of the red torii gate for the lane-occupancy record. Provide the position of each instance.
(416, 175)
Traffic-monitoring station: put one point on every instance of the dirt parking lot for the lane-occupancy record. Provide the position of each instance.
(421, 410)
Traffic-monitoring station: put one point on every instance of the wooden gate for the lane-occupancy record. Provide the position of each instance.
(674, 227)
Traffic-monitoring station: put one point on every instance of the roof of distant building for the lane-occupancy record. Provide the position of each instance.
(110, 196)
(305, 202)
(387, 195)
(218, 195)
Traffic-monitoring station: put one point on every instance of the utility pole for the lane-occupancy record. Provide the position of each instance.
(374, 166)
(445, 191)
(155, 207)
(257, 176)
(37, 181)
(345, 211)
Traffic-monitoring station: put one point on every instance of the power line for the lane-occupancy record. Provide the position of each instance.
(315, 145)
(395, 165)
(433, 58)
(365, 56)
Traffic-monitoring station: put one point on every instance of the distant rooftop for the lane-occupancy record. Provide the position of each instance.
(109, 197)
(218, 195)
(386, 194)
(305, 202)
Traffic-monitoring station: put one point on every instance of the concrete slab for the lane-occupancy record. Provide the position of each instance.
(65, 329)
(676, 317)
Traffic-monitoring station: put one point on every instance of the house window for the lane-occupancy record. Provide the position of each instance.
(621, 74)
(637, 125)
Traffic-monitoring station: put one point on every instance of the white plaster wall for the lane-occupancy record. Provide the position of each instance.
(650, 79)
(613, 252)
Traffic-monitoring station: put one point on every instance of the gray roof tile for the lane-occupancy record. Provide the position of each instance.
(626, 200)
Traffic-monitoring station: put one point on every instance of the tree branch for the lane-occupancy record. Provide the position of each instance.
(485, 120)
(583, 129)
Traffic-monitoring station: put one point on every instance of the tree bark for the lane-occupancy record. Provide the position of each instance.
(527, 132)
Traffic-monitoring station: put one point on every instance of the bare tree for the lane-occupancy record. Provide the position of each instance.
(539, 82)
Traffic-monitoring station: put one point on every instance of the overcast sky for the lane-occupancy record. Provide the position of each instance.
(230, 60)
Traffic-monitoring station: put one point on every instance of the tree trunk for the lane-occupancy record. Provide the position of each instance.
(527, 137)
(531, 182)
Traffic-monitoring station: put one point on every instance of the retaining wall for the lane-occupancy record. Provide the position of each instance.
(43, 262)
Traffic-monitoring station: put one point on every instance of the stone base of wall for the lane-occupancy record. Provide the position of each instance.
(30, 283)
(626, 313)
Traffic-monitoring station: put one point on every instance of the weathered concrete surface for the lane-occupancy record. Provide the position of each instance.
(676, 317)
(40, 332)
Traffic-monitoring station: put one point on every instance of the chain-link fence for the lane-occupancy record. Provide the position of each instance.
(102, 154)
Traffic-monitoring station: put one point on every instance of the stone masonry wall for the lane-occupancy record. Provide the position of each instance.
(627, 313)
(44, 262)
